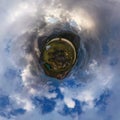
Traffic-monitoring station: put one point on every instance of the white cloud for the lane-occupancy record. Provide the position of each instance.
(23, 101)
(20, 17)
(102, 80)
(69, 102)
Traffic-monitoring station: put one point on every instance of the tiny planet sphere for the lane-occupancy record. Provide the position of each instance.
(59, 56)
(58, 53)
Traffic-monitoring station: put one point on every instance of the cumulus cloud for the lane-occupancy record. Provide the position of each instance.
(91, 93)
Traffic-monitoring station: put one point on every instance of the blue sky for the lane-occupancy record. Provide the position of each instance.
(91, 93)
